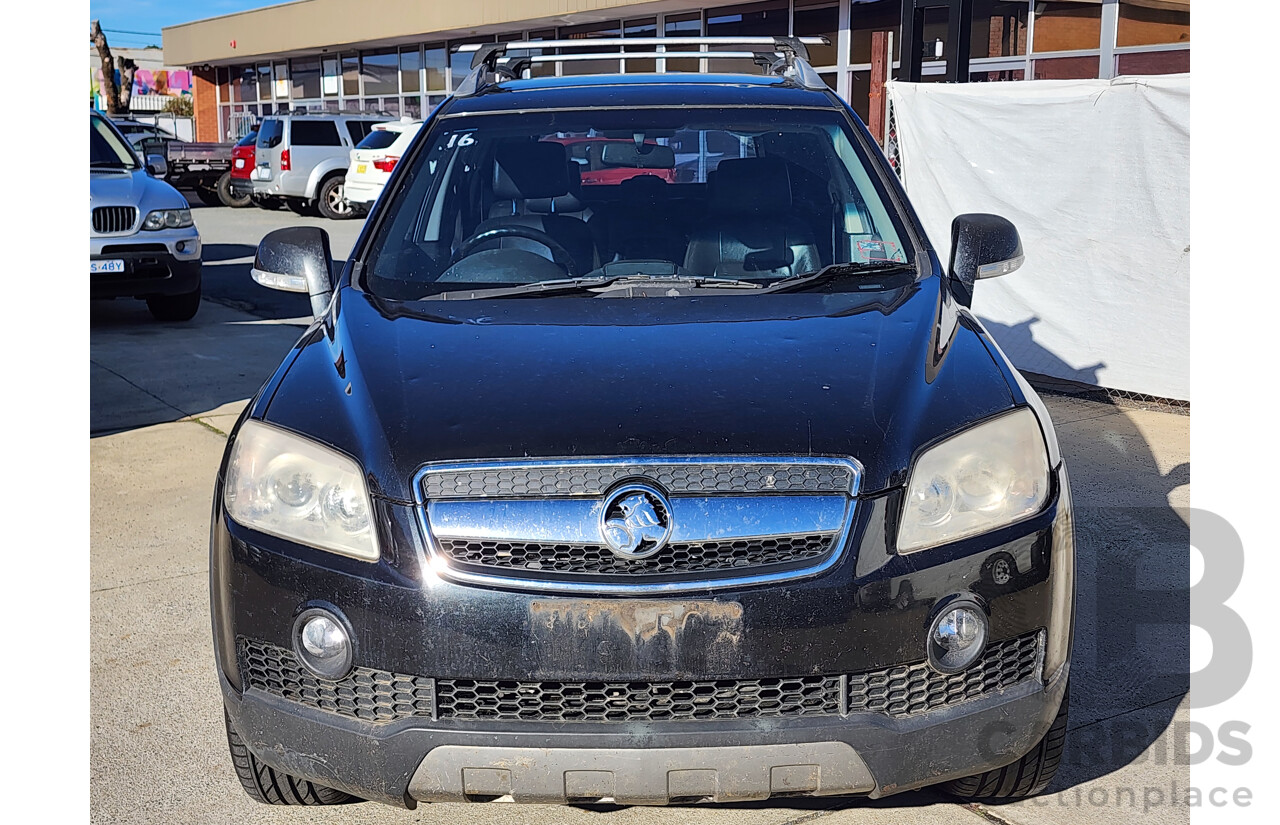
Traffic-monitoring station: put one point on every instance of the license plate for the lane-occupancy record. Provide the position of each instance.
(239, 163)
(360, 168)
(105, 266)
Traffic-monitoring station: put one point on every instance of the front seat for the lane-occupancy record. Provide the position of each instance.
(533, 185)
(752, 230)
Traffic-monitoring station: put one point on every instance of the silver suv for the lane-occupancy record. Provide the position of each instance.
(303, 159)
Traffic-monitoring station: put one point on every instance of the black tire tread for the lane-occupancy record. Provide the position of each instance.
(322, 198)
(271, 787)
(226, 198)
(1024, 778)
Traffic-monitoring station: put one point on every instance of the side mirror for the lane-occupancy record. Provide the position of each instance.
(296, 259)
(157, 166)
(982, 246)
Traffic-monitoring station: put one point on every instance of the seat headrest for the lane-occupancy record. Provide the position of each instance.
(568, 202)
(750, 186)
(530, 170)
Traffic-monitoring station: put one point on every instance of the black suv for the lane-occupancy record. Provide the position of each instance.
(655, 489)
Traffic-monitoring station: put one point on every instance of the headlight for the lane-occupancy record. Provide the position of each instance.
(168, 219)
(986, 477)
(294, 488)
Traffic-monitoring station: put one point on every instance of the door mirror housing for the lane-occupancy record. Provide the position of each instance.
(296, 259)
(982, 246)
(157, 166)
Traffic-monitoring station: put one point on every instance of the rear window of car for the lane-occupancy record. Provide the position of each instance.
(378, 139)
(360, 129)
(270, 133)
(315, 133)
(248, 140)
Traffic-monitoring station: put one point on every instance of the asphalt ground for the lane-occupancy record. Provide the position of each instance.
(163, 397)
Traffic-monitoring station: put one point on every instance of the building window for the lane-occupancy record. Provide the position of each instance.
(1170, 62)
(330, 79)
(647, 27)
(866, 18)
(1153, 22)
(410, 70)
(547, 69)
(1065, 68)
(282, 81)
(265, 85)
(818, 17)
(581, 33)
(999, 29)
(306, 77)
(380, 72)
(437, 64)
(244, 84)
(750, 20)
(350, 75)
(682, 25)
(1065, 27)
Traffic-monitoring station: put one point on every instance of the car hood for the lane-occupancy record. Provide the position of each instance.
(136, 188)
(868, 375)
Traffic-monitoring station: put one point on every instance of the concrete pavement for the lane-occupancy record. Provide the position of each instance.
(163, 397)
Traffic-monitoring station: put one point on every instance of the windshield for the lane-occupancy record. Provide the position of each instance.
(752, 195)
(106, 149)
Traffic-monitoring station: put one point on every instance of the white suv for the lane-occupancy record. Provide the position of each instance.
(302, 158)
(374, 158)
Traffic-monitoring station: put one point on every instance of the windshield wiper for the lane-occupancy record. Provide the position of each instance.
(830, 273)
(590, 284)
(108, 164)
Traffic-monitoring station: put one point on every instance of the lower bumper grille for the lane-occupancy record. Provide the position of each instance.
(382, 696)
(372, 695)
(638, 701)
(909, 689)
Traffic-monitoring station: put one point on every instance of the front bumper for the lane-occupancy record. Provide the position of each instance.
(867, 613)
(153, 263)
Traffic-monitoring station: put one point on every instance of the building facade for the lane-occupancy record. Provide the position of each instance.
(398, 56)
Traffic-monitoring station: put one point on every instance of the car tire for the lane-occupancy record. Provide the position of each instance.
(300, 207)
(228, 199)
(209, 196)
(331, 201)
(1024, 778)
(272, 787)
(175, 307)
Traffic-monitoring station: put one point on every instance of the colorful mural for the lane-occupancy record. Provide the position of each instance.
(172, 82)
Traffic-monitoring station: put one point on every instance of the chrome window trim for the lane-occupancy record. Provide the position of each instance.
(435, 563)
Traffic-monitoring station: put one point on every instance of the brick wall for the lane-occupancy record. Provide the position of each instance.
(206, 105)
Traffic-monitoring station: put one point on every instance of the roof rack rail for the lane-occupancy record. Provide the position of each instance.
(493, 63)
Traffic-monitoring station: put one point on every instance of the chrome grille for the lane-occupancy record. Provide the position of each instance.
(110, 219)
(638, 701)
(915, 688)
(694, 475)
(561, 525)
(595, 559)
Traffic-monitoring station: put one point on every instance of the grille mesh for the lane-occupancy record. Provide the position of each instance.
(638, 701)
(372, 695)
(709, 477)
(674, 558)
(909, 689)
(108, 219)
(381, 696)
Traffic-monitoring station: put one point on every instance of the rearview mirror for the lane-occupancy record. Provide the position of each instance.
(296, 259)
(982, 246)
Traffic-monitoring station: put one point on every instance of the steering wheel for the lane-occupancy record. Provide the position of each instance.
(559, 254)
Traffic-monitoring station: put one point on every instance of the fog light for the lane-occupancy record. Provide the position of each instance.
(181, 245)
(322, 643)
(957, 637)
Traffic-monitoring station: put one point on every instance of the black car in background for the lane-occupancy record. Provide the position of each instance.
(651, 491)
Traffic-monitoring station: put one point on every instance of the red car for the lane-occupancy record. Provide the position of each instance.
(610, 161)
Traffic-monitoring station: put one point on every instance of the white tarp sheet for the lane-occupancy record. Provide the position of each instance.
(1095, 174)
